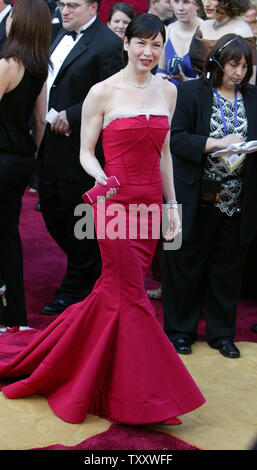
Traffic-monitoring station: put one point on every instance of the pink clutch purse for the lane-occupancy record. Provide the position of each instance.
(90, 197)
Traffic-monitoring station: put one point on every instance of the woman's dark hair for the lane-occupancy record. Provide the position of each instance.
(124, 8)
(229, 47)
(30, 36)
(233, 8)
(144, 25)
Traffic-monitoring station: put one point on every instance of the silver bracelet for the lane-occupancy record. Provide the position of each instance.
(172, 204)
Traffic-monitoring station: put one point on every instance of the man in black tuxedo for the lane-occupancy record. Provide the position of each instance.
(94, 54)
(5, 7)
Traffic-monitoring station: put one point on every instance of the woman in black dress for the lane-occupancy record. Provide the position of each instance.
(23, 71)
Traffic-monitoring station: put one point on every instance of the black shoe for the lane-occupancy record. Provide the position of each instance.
(55, 307)
(228, 349)
(254, 328)
(182, 346)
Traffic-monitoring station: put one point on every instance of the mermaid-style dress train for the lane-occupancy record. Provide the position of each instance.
(108, 355)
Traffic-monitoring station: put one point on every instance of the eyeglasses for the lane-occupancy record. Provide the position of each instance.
(69, 6)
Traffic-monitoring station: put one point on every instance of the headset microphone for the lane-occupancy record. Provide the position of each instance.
(213, 59)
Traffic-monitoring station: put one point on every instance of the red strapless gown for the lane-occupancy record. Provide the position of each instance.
(108, 354)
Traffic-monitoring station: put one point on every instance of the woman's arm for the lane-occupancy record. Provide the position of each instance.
(91, 125)
(166, 161)
(222, 143)
(167, 171)
(39, 117)
(166, 168)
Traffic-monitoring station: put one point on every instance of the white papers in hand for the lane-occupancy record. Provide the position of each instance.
(50, 117)
(244, 147)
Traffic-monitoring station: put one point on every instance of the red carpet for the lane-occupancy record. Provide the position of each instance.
(44, 265)
(120, 437)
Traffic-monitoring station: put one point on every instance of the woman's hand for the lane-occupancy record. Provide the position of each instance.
(61, 125)
(174, 224)
(180, 77)
(223, 142)
(229, 140)
(110, 193)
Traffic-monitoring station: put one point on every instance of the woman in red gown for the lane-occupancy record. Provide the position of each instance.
(108, 354)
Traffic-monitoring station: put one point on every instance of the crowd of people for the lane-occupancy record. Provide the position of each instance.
(147, 98)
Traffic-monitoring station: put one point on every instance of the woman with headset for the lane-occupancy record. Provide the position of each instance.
(218, 198)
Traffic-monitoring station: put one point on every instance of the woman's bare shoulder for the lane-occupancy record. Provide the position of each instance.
(10, 65)
(11, 72)
(105, 87)
(100, 95)
(166, 93)
(168, 87)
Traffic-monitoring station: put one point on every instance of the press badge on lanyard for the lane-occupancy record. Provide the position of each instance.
(232, 160)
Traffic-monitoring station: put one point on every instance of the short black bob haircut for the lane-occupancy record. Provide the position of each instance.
(235, 48)
(144, 25)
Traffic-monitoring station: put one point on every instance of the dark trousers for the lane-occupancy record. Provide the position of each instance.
(204, 275)
(58, 200)
(15, 173)
(249, 286)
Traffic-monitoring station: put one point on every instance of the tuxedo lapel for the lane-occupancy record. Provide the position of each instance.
(2, 31)
(2, 27)
(76, 51)
(80, 47)
(57, 40)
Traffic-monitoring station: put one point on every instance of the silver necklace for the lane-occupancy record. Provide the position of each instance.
(135, 84)
(217, 25)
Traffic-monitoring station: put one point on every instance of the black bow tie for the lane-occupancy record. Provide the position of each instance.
(73, 34)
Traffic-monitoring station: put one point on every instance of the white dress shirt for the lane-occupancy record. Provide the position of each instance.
(60, 53)
(4, 12)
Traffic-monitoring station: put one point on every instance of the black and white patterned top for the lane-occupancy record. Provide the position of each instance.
(232, 181)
